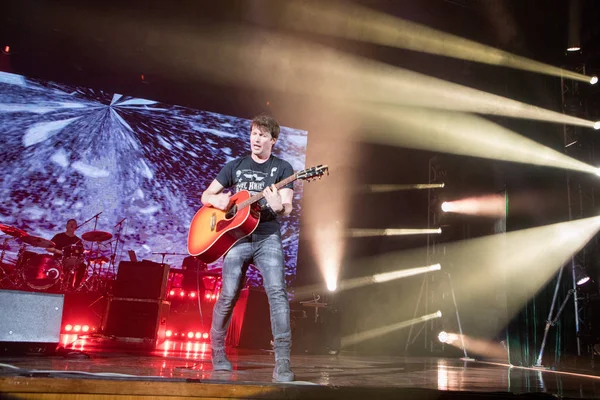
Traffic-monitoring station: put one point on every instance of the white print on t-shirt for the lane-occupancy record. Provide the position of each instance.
(247, 179)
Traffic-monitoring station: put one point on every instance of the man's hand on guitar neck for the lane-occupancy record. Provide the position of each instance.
(273, 198)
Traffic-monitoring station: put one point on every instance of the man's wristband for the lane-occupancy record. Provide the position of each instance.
(277, 213)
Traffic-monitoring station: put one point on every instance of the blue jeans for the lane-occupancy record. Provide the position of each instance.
(266, 252)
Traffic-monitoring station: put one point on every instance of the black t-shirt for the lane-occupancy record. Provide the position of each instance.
(62, 240)
(246, 174)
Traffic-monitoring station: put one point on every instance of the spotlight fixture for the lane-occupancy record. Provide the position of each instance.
(443, 337)
(580, 276)
(331, 286)
(594, 80)
(445, 206)
(597, 125)
(573, 48)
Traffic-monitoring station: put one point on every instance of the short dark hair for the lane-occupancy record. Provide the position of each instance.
(72, 219)
(266, 123)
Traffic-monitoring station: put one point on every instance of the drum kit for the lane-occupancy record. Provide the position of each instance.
(77, 269)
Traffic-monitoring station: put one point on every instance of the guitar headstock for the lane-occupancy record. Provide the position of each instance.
(313, 172)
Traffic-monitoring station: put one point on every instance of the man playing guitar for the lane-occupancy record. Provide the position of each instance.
(257, 172)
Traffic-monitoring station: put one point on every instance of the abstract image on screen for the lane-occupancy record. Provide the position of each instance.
(72, 152)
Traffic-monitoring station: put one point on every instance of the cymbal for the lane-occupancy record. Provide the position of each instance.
(37, 241)
(12, 231)
(96, 236)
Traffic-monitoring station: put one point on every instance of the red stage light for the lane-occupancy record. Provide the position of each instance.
(182, 293)
(205, 335)
(7, 49)
(168, 333)
(77, 328)
(192, 294)
(190, 334)
(68, 328)
(198, 335)
(85, 328)
(213, 297)
(207, 296)
(172, 293)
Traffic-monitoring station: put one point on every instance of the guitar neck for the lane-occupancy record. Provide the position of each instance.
(259, 196)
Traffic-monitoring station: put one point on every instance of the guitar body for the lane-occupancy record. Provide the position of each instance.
(212, 233)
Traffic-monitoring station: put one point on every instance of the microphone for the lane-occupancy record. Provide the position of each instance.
(120, 222)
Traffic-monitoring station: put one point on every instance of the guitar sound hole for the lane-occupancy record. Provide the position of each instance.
(232, 211)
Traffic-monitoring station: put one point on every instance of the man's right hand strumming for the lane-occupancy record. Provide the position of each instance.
(220, 201)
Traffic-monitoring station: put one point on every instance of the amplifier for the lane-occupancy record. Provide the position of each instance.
(141, 280)
(29, 319)
(136, 320)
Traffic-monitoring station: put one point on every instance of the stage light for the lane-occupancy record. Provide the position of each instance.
(398, 187)
(190, 334)
(388, 276)
(205, 335)
(207, 296)
(192, 294)
(7, 49)
(391, 232)
(580, 276)
(349, 284)
(384, 330)
(594, 80)
(172, 293)
(490, 205)
(198, 335)
(358, 23)
(85, 328)
(439, 313)
(583, 280)
(77, 328)
(168, 333)
(597, 125)
(69, 328)
(331, 285)
(443, 337)
(182, 293)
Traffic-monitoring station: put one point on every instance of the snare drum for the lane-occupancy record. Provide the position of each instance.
(72, 256)
(39, 271)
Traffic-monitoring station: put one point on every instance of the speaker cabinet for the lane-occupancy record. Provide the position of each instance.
(252, 321)
(136, 320)
(141, 280)
(29, 318)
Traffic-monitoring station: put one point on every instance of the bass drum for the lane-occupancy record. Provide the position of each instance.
(40, 271)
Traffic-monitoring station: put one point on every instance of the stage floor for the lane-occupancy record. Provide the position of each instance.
(183, 370)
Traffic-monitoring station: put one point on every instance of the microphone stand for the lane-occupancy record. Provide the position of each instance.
(89, 219)
(163, 254)
(118, 239)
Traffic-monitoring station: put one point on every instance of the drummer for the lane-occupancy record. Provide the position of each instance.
(64, 240)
